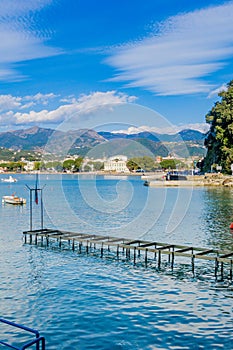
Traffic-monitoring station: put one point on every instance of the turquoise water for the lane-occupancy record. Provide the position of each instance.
(85, 302)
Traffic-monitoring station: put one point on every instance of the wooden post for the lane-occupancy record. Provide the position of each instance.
(139, 252)
(193, 265)
(173, 257)
(216, 268)
(221, 271)
(146, 257)
(102, 250)
(159, 259)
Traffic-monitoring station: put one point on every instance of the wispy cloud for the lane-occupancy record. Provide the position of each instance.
(20, 39)
(84, 105)
(216, 91)
(181, 55)
(169, 129)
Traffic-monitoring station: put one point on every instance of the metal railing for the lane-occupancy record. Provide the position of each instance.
(38, 341)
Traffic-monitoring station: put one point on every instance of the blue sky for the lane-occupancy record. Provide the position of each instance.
(89, 58)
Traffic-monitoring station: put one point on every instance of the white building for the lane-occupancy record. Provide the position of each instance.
(29, 166)
(116, 164)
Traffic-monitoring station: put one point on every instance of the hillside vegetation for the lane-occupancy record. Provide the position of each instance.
(219, 140)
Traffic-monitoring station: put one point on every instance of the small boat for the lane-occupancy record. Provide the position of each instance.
(13, 199)
(9, 179)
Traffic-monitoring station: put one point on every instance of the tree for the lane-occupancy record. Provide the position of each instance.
(168, 163)
(219, 140)
(78, 163)
(145, 163)
(73, 165)
(132, 164)
(68, 164)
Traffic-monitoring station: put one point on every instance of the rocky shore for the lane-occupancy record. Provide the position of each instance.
(193, 181)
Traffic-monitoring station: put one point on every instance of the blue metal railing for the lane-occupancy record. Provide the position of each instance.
(38, 340)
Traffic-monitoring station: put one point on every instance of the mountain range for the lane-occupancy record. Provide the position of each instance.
(83, 140)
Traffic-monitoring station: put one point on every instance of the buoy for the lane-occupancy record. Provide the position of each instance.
(231, 226)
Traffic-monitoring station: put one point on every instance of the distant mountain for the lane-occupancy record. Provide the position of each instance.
(184, 135)
(36, 138)
(29, 139)
(83, 140)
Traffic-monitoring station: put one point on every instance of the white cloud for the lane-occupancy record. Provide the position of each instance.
(39, 98)
(9, 102)
(20, 39)
(85, 104)
(181, 55)
(215, 92)
(170, 129)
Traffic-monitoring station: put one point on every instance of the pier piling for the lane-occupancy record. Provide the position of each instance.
(153, 251)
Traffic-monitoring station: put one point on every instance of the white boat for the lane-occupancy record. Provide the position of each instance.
(13, 199)
(9, 179)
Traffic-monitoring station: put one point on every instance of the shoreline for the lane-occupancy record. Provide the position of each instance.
(207, 180)
(153, 179)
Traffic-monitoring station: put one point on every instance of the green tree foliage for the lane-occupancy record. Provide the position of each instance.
(78, 163)
(132, 165)
(13, 166)
(73, 165)
(146, 163)
(219, 140)
(170, 164)
(55, 165)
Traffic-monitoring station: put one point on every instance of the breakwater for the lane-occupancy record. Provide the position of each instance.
(192, 181)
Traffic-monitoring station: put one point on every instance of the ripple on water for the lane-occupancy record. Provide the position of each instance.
(84, 302)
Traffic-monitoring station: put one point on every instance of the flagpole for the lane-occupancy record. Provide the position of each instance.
(41, 211)
(36, 190)
(30, 209)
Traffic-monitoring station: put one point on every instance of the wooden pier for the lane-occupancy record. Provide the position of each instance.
(146, 252)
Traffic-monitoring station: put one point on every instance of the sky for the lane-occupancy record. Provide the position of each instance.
(117, 65)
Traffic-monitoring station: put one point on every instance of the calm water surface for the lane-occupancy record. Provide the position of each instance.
(84, 302)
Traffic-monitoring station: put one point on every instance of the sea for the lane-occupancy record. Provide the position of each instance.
(79, 301)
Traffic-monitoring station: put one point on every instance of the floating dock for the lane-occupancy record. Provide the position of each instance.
(149, 253)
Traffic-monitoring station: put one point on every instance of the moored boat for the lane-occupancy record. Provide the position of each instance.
(13, 199)
(9, 179)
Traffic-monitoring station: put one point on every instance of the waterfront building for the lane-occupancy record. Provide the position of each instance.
(116, 164)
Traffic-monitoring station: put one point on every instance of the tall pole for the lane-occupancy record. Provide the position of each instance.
(41, 211)
(30, 209)
(36, 190)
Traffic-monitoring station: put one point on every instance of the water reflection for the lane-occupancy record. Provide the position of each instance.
(84, 302)
(217, 216)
